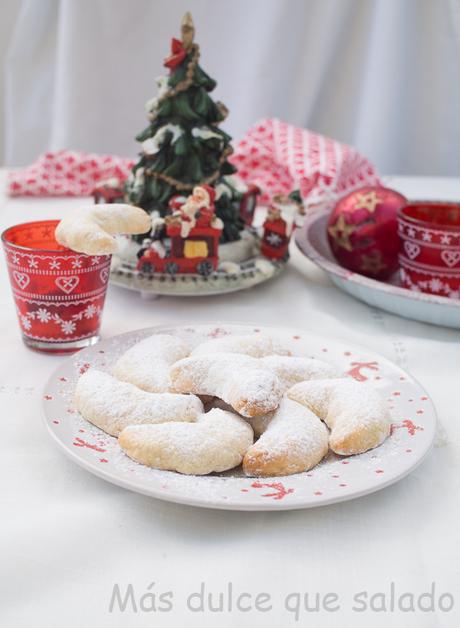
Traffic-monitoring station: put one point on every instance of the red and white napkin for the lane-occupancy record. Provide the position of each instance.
(67, 173)
(280, 157)
(276, 156)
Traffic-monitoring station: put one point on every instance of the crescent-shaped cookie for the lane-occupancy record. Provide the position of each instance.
(147, 363)
(239, 380)
(255, 345)
(260, 423)
(216, 442)
(294, 440)
(112, 405)
(91, 229)
(355, 413)
(291, 370)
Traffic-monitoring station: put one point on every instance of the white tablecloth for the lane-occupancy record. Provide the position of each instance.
(67, 538)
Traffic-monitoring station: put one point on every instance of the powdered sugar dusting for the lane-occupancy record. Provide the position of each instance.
(353, 411)
(216, 442)
(260, 423)
(112, 405)
(239, 380)
(256, 346)
(291, 370)
(294, 440)
(90, 229)
(147, 363)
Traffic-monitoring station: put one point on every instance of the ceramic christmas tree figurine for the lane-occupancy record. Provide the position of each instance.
(203, 239)
(183, 146)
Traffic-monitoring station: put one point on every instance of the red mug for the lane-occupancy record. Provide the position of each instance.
(430, 247)
(59, 294)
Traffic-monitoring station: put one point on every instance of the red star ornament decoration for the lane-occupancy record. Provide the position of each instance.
(363, 232)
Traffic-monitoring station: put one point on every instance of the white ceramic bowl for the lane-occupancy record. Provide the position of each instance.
(311, 239)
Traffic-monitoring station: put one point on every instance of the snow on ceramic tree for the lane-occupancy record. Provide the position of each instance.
(183, 146)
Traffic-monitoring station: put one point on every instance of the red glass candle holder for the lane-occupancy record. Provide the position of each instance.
(430, 247)
(59, 294)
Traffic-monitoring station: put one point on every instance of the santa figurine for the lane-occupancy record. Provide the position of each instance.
(276, 235)
(198, 209)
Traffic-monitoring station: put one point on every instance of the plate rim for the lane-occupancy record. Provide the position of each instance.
(307, 248)
(182, 499)
(266, 506)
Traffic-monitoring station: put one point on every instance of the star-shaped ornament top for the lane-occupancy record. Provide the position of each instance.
(341, 231)
(368, 201)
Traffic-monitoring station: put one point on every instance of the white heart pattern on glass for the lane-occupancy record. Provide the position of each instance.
(21, 279)
(104, 275)
(450, 258)
(411, 249)
(67, 284)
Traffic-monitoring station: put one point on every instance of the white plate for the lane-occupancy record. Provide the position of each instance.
(427, 308)
(333, 480)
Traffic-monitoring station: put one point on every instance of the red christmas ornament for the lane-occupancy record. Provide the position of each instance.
(363, 231)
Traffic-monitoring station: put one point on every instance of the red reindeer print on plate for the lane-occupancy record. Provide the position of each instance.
(218, 332)
(279, 489)
(357, 367)
(408, 425)
(79, 442)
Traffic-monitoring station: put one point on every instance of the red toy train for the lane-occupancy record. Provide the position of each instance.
(196, 254)
(190, 239)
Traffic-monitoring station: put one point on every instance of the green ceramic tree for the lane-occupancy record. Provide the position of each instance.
(183, 145)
